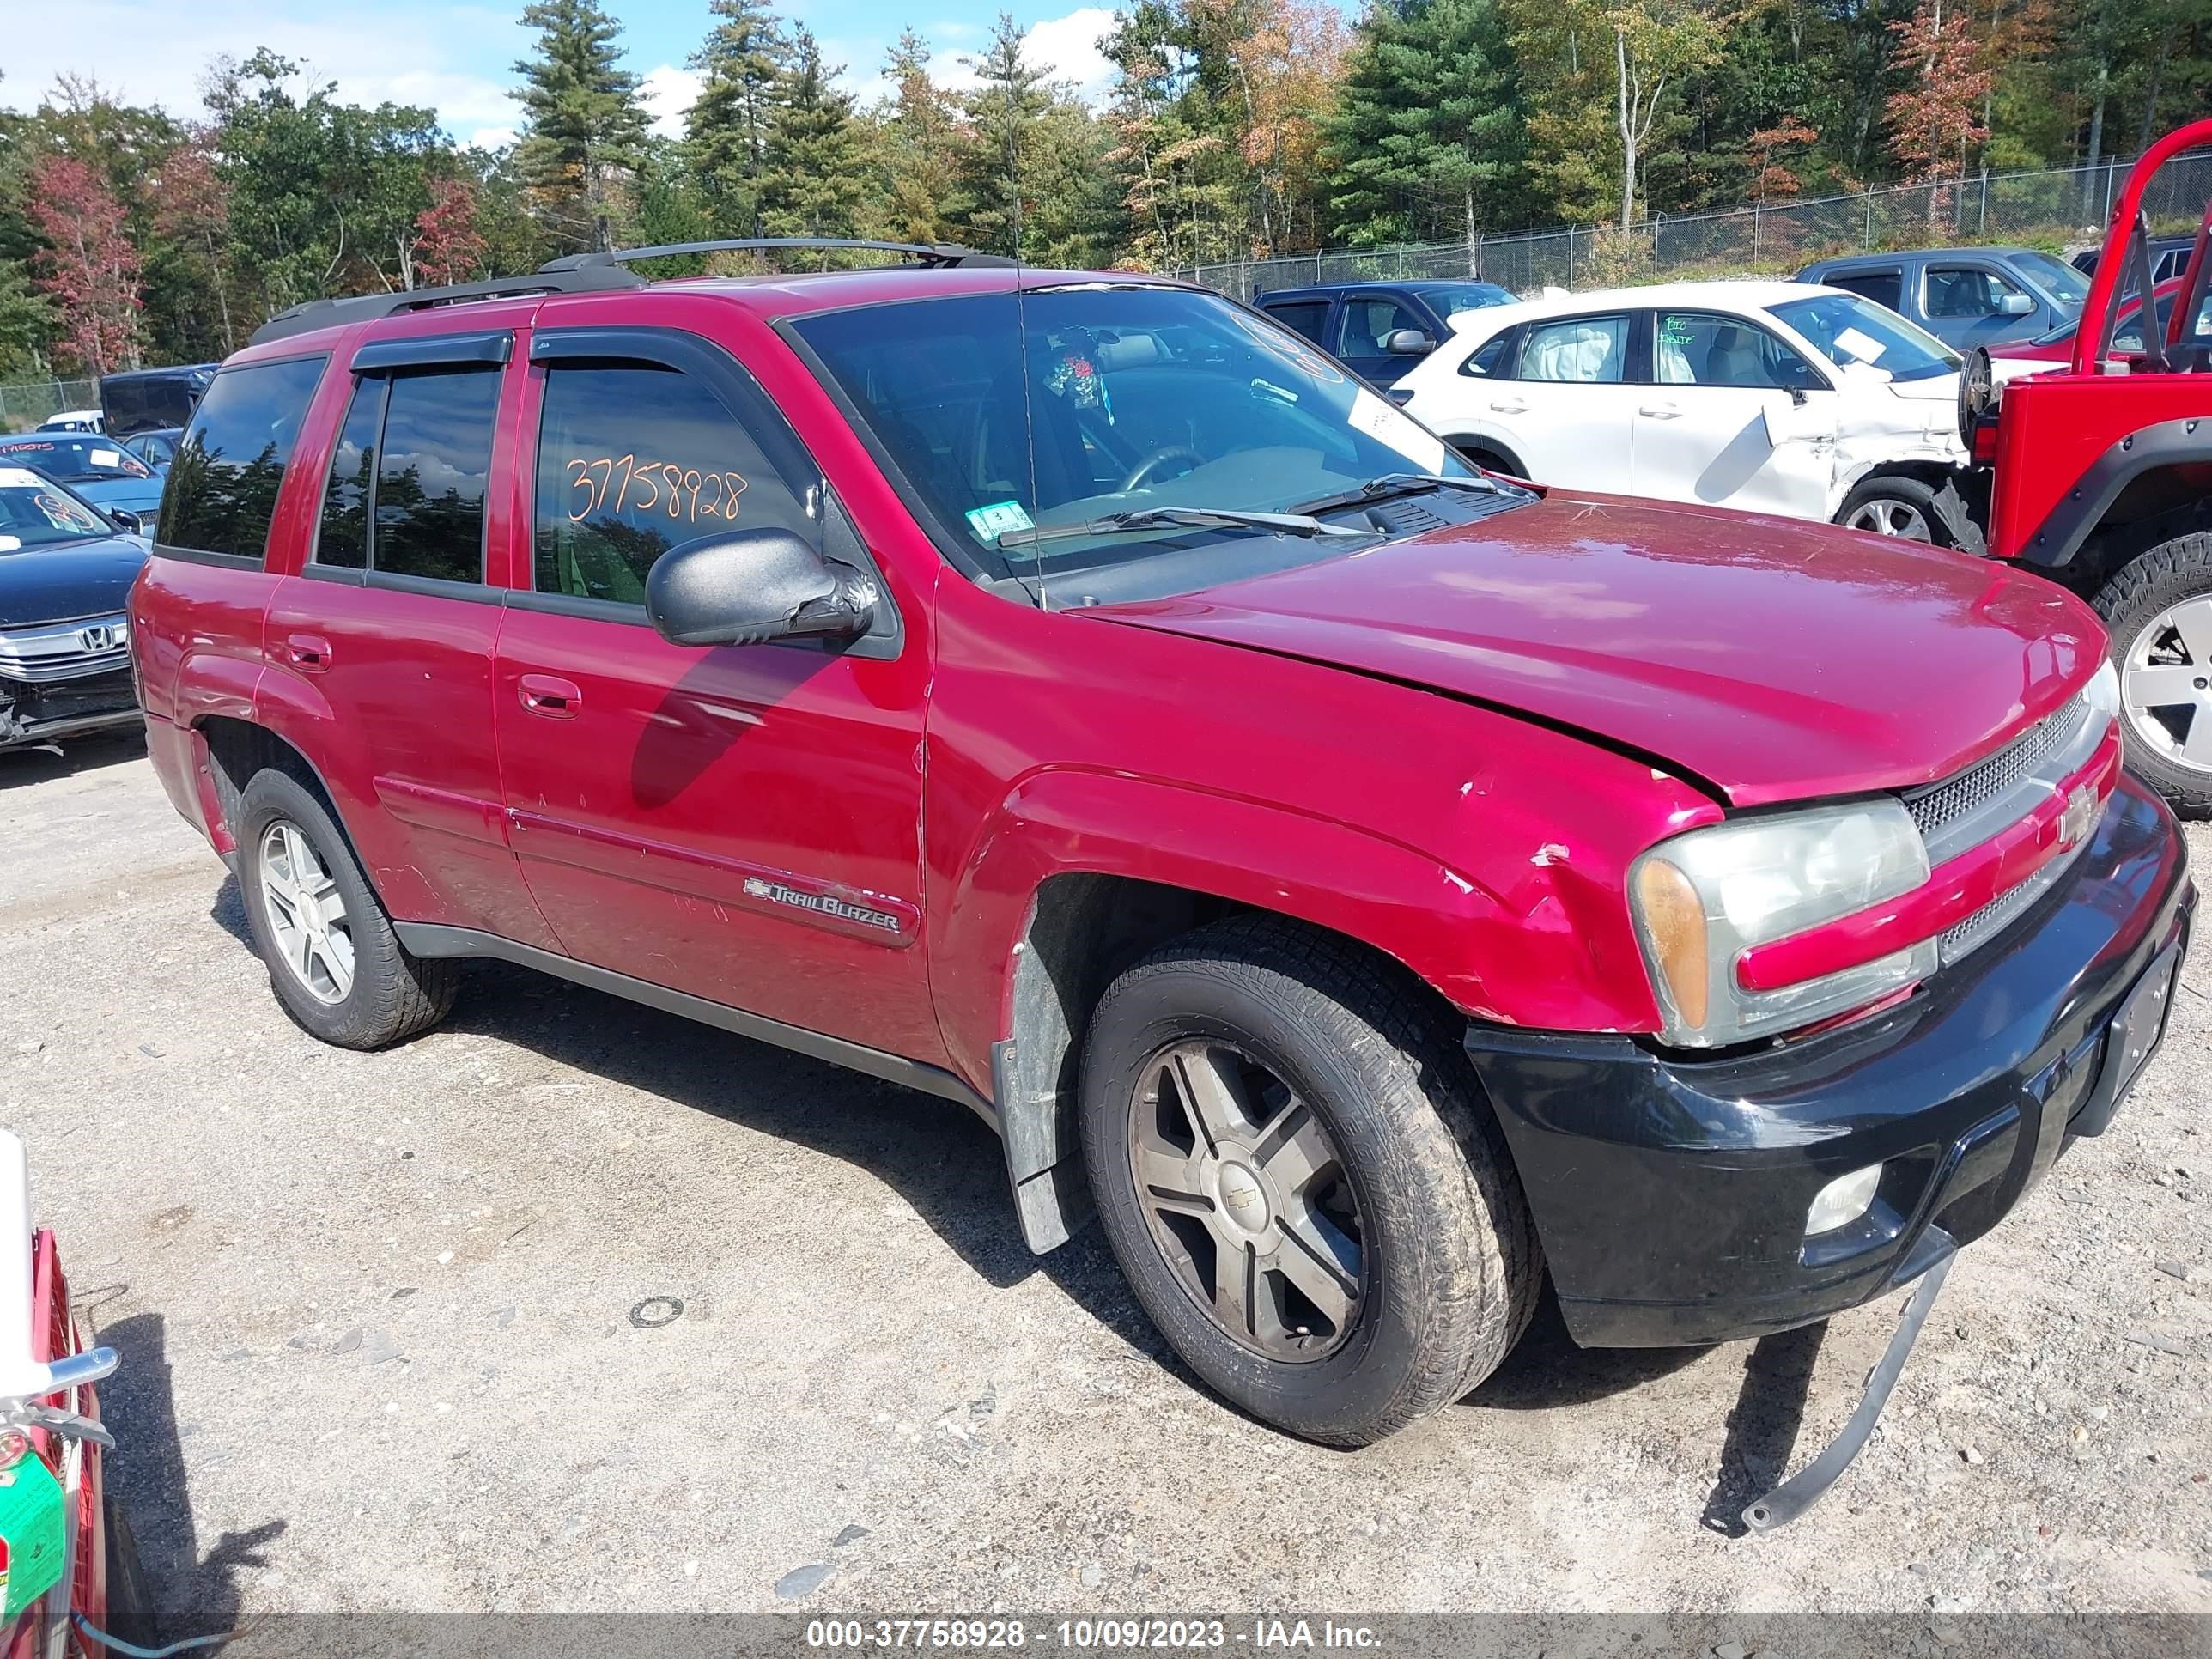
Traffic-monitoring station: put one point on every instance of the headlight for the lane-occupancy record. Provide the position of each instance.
(2103, 690)
(1703, 898)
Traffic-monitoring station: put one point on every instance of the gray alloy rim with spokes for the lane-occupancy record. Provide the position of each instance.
(1246, 1197)
(1887, 516)
(306, 914)
(2166, 684)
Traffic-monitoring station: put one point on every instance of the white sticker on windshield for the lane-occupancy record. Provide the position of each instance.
(9, 544)
(20, 477)
(108, 457)
(1864, 347)
(1370, 415)
(989, 523)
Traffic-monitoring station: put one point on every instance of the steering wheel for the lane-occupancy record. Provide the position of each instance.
(1141, 474)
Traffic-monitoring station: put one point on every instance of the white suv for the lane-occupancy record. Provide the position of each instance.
(1772, 397)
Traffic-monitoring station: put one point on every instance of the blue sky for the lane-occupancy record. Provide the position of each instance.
(457, 59)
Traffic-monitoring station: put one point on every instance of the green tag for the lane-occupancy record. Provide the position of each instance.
(989, 523)
(31, 1533)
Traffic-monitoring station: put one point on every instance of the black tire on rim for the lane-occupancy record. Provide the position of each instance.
(1897, 507)
(1293, 1165)
(2158, 607)
(334, 960)
(129, 1599)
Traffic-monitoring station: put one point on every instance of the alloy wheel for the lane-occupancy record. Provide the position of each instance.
(1246, 1195)
(2165, 684)
(1885, 515)
(307, 921)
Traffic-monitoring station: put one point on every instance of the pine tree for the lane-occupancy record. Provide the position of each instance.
(811, 184)
(917, 131)
(1427, 133)
(585, 128)
(1005, 107)
(728, 130)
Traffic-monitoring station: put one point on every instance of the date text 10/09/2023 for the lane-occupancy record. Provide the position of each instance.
(1090, 1635)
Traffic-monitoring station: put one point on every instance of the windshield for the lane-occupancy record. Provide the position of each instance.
(2058, 279)
(74, 460)
(1453, 298)
(1846, 329)
(33, 513)
(1071, 403)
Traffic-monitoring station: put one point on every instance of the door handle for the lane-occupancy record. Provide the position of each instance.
(1661, 411)
(307, 651)
(1510, 406)
(555, 699)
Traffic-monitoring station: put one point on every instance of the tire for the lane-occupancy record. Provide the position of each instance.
(353, 985)
(2139, 604)
(1489, 457)
(130, 1598)
(1447, 1264)
(1894, 500)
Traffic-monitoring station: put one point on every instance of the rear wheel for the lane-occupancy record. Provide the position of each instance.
(2158, 608)
(1899, 507)
(334, 960)
(1293, 1164)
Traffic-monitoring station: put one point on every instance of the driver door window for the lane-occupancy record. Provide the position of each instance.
(1697, 348)
(632, 459)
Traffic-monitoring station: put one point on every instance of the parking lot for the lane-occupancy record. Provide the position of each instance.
(402, 1331)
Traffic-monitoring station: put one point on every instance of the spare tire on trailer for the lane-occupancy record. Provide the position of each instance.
(1978, 394)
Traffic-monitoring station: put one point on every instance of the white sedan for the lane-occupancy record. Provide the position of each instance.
(1771, 397)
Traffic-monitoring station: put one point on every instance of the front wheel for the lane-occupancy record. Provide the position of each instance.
(1294, 1167)
(2159, 609)
(1898, 506)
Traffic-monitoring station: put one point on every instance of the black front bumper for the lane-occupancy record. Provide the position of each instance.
(43, 711)
(1670, 1193)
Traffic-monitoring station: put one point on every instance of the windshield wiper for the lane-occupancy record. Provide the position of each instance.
(1164, 518)
(1401, 484)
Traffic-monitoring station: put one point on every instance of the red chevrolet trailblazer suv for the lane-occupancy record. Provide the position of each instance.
(1374, 886)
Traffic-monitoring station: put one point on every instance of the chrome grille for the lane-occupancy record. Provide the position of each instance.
(1967, 808)
(66, 651)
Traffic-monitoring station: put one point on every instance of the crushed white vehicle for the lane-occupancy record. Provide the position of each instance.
(1771, 397)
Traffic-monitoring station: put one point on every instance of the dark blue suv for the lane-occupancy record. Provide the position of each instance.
(1379, 330)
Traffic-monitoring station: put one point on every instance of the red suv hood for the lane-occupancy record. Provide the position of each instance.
(1775, 660)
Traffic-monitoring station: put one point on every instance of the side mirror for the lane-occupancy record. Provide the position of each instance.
(2015, 305)
(1408, 342)
(754, 585)
(129, 523)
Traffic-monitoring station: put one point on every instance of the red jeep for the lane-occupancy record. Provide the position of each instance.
(1375, 886)
(2103, 481)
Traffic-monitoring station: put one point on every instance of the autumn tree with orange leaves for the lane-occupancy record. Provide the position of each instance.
(88, 267)
(1935, 119)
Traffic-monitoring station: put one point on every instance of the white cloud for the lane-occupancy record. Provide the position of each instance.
(668, 92)
(413, 55)
(1068, 47)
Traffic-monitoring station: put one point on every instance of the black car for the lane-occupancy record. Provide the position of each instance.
(65, 575)
(1379, 330)
(144, 399)
(2168, 255)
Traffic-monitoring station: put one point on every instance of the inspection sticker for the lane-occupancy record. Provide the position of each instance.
(989, 523)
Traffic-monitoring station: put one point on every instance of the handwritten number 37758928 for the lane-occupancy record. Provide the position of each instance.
(648, 486)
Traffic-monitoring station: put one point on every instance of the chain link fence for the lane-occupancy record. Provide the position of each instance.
(2049, 209)
(22, 407)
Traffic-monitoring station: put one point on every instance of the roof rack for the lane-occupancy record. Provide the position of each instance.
(578, 273)
(934, 256)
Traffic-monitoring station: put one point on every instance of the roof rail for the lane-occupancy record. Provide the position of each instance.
(582, 273)
(932, 255)
(368, 308)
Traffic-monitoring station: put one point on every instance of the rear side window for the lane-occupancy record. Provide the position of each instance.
(1306, 316)
(1585, 350)
(1884, 287)
(1490, 361)
(222, 490)
(406, 494)
(634, 458)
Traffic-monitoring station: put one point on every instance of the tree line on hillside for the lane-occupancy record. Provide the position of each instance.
(1231, 129)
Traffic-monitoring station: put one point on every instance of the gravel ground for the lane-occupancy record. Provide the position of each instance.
(392, 1341)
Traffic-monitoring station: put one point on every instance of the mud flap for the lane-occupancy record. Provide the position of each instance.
(1959, 521)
